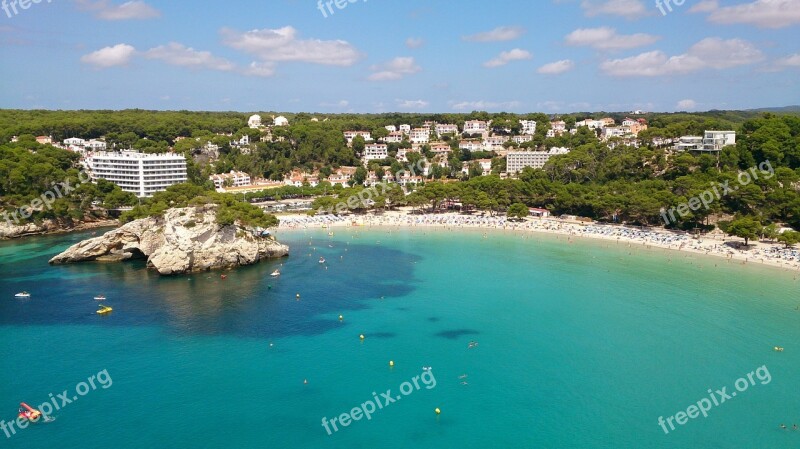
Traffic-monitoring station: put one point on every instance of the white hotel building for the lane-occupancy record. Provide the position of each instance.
(375, 152)
(518, 160)
(139, 173)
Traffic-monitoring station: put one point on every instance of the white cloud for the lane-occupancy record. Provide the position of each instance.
(180, 55)
(415, 42)
(551, 105)
(606, 38)
(508, 56)
(260, 69)
(629, 9)
(485, 105)
(339, 104)
(105, 10)
(705, 6)
(119, 54)
(500, 34)
(761, 13)
(395, 69)
(790, 61)
(283, 45)
(412, 104)
(787, 62)
(686, 105)
(557, 68)
(712, 52)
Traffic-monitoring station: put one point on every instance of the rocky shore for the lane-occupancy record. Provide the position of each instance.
(14, 230)
(182, 241)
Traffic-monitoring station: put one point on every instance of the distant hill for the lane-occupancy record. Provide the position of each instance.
(795, 108)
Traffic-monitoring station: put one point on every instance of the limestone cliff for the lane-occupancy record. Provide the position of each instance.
(182, 241)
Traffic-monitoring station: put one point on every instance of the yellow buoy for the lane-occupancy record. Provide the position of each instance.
(438, 412)
(361, 336)
(391, 362)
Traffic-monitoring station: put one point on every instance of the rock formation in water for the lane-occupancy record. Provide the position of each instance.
(181, 241)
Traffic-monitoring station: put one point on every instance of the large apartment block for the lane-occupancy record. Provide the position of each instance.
(139, 173)
(518, 160)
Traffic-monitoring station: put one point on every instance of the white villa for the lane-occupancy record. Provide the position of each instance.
(494, 143)
(254, 121)
(471, 145)
(476, 127)
(528, 126)
(440, 148)
(375, 152)
(394, 137)
(236, 178)
(712, 141)
(486, 166)
(442, 128)
(717, 140)
(350, 135)
(420, 135)
(522, 138)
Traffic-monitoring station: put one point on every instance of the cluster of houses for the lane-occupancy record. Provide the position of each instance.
(433, 142)
(479, 136)
(256, 122)
(343, 176)
(72, 144)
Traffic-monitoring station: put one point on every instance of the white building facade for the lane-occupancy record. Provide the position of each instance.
(717, 140)
(518, 160)
(139, 173)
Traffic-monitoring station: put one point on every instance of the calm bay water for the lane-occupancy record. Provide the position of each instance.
(580, 345)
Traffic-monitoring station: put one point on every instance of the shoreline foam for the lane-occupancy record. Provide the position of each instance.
(759, 253)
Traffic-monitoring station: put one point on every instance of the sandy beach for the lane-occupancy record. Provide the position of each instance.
(718, 245)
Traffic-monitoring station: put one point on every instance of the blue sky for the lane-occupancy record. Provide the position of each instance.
(391, 55)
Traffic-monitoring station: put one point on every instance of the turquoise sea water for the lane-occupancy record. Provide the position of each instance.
(581, 344)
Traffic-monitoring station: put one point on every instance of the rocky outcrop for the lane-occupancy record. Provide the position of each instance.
(182, 241)
(10, 229)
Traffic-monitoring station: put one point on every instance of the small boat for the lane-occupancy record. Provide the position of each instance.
(321, 260)
(275, 273)
(100, 298)
(22, 295)
(28, 413)
(104, 310)
(778, 349)
(330, 234)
